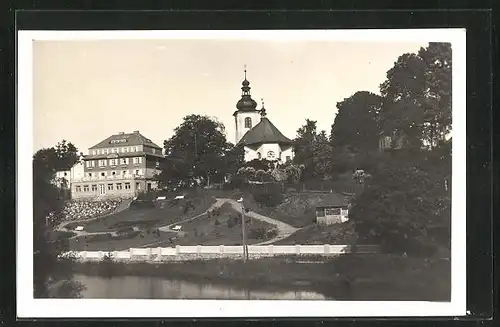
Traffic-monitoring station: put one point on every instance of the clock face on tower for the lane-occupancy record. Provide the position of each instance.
(270, 155)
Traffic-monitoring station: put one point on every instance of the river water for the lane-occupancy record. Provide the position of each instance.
(135, 287)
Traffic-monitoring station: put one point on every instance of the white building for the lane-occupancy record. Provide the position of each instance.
(260, 138)
(65, 178)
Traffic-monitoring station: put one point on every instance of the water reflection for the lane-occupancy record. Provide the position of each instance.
(134, 287)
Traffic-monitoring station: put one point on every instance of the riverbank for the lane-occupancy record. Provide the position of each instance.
(348, 277)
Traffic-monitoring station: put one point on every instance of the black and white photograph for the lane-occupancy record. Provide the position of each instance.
(241, 173)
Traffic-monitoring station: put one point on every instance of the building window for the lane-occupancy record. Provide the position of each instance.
(118, 186)
(85, 188)
(102, 163)
(288, 158)
(134, 149)
(124, 172)
(127, 186)
(94, 188)
(157, 164)
(248, 122)
(125, 150)
(113, 173)
(98, 151)
(65, 174)
(137, 171)
(137, 160)
(103, 174)
(332, 211)
(271, 155)
(259, 156)
(110, 187)
(90, 174)
(78, 189)
(123, 161)
(115, 150)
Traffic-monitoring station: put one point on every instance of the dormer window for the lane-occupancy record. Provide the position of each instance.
(248, 122)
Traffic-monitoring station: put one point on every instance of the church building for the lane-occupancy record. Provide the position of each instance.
(260, 138)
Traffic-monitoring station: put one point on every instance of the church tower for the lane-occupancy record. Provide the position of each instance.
(246, 116)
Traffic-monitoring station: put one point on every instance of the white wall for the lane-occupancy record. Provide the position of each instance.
(200, 250)
(74, 174)
(240, 123)
(251, 153)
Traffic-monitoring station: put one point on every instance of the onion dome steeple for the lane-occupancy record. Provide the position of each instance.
(246, 103)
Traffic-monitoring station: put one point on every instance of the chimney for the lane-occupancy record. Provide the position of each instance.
(136, 132)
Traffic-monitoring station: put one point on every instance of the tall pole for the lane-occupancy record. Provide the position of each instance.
(243, 236)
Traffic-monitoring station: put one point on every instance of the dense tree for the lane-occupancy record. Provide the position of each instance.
(322, 154)
(312, 151)
(417, 96)
(67, 155)
(405, 202)
(233, 159)
(52, 277)
(356, 123)
(303, 142)
(437, 100)
(198, 151)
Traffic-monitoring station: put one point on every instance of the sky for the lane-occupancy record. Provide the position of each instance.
(85, 91)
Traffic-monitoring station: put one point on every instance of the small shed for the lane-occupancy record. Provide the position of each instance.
(332, 209)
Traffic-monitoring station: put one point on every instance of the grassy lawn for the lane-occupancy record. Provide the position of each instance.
(163, 213)
(297, 209)
(222, 228)
(341, 234)
(105, 242)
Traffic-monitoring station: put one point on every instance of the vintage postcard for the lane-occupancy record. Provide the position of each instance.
(248, 173)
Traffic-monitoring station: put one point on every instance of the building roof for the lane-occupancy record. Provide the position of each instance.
(125, 139)
(332, 200)
(264, 132)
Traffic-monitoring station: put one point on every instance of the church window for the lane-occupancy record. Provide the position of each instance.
(259, 155)
(248, 122)
(288, 158)
(270, 155)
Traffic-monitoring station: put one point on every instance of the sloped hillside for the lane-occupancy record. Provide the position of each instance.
(341, 234)
(298, 209)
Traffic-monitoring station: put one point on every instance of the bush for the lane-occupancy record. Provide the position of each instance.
(257, 233)
(232, 221)
(216, 222)
(126, 236)
(268, 196)
(271, 234)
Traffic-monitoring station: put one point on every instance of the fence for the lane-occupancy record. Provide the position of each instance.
(199, 251)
